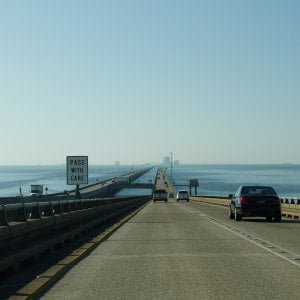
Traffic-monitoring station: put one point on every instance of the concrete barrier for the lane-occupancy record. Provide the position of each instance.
(23, 237)
(211, 200)
(291, 210)
(290, 200)
(288, 210)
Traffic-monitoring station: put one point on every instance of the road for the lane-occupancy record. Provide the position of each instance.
(189, 251)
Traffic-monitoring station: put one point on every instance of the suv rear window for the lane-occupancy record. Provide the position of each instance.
(160, 191)
(259, 190)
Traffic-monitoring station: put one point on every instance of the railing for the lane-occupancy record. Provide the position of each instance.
(284, 200)
(290, 200)
(29, 229)
(22, 212)
(288, 210)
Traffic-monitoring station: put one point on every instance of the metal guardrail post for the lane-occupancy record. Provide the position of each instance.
(57, 210)
(21, 214)
(48, 211)
(72, 205)
(3, 219)
(36, 212)
(78, 204)
(65, 206)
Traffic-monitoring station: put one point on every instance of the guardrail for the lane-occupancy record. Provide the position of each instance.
(30, 229)
(22, 212)
(290, 200)
(284, 200)
(288, 210)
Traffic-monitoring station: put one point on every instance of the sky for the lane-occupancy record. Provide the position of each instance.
(132, 81)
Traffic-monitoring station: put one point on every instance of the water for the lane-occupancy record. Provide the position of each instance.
(225, 179)
(213, 179)
(12, 178)
(149, 177)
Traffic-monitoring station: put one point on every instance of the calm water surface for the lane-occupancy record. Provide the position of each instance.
(213, 179)
(225, 179)
(12, 178)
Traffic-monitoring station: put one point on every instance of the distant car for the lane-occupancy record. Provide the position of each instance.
(160, 195)
(182, 195)
(255, 201)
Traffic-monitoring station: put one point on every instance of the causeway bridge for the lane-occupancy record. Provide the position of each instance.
(111, 187)
(133, 248)
(104, 189)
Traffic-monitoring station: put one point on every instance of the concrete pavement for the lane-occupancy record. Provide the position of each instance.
(179, 251)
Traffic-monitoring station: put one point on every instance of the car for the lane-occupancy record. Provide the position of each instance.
(255, 201)
(160, 194)
(182, 195)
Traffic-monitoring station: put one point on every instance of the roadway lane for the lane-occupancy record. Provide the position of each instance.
(180, 251)
(285, 234)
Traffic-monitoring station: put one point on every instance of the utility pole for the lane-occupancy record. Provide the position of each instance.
(171, 167)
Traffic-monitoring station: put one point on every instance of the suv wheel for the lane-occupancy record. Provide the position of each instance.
(277, 218)
(231, 215)
(269, 218)
(237, 216)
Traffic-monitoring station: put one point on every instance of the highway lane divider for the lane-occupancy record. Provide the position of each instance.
(287, 210)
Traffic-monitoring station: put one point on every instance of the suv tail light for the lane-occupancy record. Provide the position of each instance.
(243, 200)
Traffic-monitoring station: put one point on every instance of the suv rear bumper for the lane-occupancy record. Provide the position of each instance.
(259, 212)
(160, 199)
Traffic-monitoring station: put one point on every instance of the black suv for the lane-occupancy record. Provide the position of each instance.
(255, 201)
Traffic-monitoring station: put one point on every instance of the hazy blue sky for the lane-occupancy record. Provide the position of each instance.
(212, 81)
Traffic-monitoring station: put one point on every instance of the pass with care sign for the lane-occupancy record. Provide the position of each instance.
(77, 170)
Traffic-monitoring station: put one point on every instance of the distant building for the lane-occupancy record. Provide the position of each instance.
(117, 163)
(166, 160)
(176, 163)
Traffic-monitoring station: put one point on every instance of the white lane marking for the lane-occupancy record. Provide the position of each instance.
(268, 248)
(288, 256)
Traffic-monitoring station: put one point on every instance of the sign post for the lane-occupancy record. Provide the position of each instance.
(193, 183)
(77, 172)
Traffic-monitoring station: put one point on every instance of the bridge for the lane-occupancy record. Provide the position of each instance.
(111, 187)
(104, 189)
(174, 250)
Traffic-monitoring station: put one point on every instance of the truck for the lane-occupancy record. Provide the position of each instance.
(36, 190)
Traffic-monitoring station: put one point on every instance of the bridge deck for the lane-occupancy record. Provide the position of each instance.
(188, 251)
(181, 250)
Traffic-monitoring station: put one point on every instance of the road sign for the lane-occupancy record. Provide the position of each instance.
(194, 182)
(77, 170)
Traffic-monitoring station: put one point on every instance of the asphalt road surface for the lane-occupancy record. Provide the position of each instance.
(189, 250)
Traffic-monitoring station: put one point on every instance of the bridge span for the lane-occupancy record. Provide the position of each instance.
(104, 189)
(111, 187)
(179, 250)
(188, 251)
